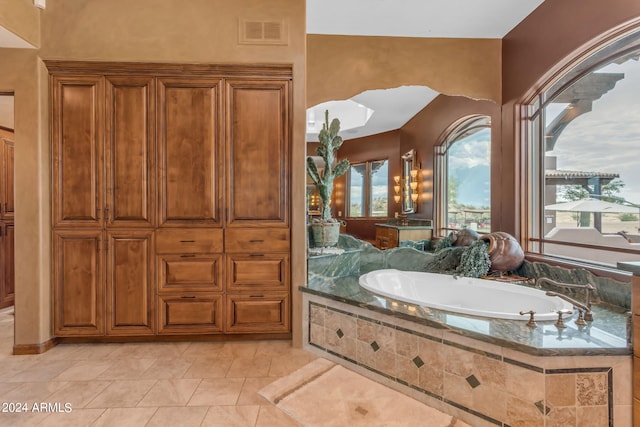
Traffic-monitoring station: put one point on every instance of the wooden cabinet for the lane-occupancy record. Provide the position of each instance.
(7, 264)
(103, 163)
(130, 305)
(171, 198)
(190, 151)
(78, 284)
(388, 237)
(7, 217)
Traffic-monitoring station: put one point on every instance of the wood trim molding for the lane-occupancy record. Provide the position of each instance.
(22, 349)
(276, 71)
(6, 129)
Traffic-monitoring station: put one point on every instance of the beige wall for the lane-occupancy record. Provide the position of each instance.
(195, 31)
(22, 18)
(339, 67)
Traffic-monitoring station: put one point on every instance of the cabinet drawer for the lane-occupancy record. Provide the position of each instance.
(256, 240)
(189, 272)
(190, 313)
(188, 240)
(269, 272)
(268, 312)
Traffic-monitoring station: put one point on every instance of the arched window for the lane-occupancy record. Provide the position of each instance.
(582, 140)
(464, 174)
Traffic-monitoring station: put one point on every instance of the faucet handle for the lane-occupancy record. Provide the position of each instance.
(560, 322)
(531, 323)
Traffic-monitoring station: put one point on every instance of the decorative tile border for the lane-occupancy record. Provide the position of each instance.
(500, 390)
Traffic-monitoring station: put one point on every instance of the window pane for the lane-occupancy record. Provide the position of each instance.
(379, 188)
(591, 181)
(469, 182)
(356, 189)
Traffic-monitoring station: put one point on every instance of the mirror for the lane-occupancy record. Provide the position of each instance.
(409, 182)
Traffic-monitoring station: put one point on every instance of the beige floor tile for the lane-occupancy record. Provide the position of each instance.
(209, 368)
(84, 370)
(217, 391)
(238, 349)
(249, 367)
(167, 369)
(157, 350)
(102, 351)
(249, 393)
(79, 393)
(28, 419)
(75, 418)
(275, 348)
(122, 394)
(174, 392)
(270, 416)
(7, 387)
(42, 371)
(33, 392)
(231, 416)
(202, 350)
(126, 369)
(125, 417)
(178, 416)
(11, 366)
(284, 365)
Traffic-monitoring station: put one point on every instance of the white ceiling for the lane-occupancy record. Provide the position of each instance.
(408, 18)
(10, 40)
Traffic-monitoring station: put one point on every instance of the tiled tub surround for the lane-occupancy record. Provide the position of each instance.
(482, 383)
(484, 371)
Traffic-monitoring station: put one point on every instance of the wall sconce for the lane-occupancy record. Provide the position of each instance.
(396, 189)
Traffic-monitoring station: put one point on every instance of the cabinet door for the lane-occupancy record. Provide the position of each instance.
(7, 287)
(190, 314)
(189, 273)
(130, 284)
(190, 152)
(257, 134)
(6, 187)
(78, 130)
(257, 272)
(78, 283)
(130, 148)
(268, 312)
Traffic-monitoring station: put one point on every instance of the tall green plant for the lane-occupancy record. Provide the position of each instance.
(330, 142)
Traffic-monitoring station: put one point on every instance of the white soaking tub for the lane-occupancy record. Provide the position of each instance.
(465, 295)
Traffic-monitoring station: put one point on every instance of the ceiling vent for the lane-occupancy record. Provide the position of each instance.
(263, 32)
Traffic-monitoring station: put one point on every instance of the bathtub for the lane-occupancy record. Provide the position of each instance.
(465, 295)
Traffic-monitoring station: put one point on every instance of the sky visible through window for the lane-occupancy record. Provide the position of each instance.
(606, 139)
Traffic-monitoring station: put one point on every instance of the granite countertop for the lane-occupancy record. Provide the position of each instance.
(606, 335)
(633, 267)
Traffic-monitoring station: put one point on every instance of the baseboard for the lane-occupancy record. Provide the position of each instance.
(22, 349)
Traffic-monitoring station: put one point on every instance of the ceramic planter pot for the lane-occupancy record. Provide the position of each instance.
(505, 252)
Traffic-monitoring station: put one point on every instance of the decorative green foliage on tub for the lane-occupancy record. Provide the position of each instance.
(475, 261)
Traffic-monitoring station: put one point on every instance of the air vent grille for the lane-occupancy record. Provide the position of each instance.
(262, 32)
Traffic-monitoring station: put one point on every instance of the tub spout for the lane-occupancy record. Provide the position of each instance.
(587, 288)
(588, 316)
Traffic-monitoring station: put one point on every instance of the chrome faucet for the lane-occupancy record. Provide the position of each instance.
(587, 287)
(580, 306)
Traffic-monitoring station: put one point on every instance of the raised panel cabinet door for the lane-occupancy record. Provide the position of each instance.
(7, 260)
(77, 138)
(257, 134)
(78, 283)
(268, 312)
(7, 185)
(189, 273)
(190, 151)
(255, 272)
(130, 284)
(190, 313)
(130, 151)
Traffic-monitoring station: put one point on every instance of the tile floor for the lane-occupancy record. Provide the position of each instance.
(153, 384)
(145, 384)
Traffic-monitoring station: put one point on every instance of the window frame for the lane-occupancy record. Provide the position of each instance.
(366, 188)
(529, 117)
(453, 134)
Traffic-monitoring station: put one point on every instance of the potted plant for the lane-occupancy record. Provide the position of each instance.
(326, 229)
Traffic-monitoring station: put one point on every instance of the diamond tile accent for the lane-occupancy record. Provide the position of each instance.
(418, 362)
(473, 381)
(339, 333)
(375, 346)
(542, 408)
